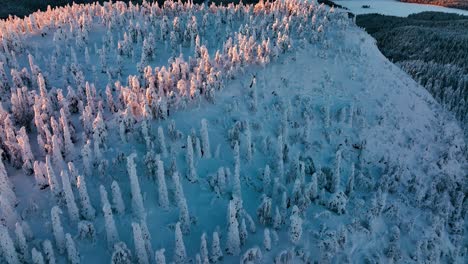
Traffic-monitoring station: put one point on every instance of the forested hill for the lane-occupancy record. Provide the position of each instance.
(430, 46)
(461, 4)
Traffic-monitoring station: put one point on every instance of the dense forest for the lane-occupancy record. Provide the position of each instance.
(462, 4)
(433, 48)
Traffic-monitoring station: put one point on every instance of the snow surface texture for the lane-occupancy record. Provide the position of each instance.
(293, 141)
(394, 7)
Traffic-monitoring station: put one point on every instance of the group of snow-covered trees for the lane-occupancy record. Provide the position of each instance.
(75, 117)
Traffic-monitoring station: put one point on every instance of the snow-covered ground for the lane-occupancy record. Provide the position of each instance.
(296, 130)
(394, 7)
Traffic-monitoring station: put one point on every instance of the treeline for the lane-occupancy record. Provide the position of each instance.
(461, 4)
(433, 48)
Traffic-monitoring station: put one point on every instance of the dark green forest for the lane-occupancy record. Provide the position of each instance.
(433, 48)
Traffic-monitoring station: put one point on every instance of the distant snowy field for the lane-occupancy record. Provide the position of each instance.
(394, 7)
(274, 133)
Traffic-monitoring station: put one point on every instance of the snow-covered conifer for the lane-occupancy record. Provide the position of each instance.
(99, 135)
(162, 187)
(184, 217)
(57, 229)
(350, 185)
(87, 157)
(7, 247)
(9, 215)
(279, 158)
(191, 171)
(204, 256)
(162, 142)
(216, 252)
(6, 188)
(267, 239)
(117, 198)
(26, 153)
(137, 199)
(68, 144)
(267, 180)
(111, 230)
(22, 243)
(243, 235)
(72, 253)
(295, 228)
(180, 256)
(86, 230)
(205, 139)
(69, 197)
(121, 254)
(236, 186)
(37, 257)
(248, 142)
(48, 251)
(87, 209)
(233, 239)
(277, 219)
(140, 250)
(57, 153)
(159, 256)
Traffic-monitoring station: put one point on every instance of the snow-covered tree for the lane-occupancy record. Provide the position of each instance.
(180, 256)
(336, 176)
(233, 239)
(111, 230)
(7, 247)
(216, 252)
(205, 139)
(48, 251)
(26, 153)
(295, 227)
(57, 229)
(159, 256)
(72, 253)
(37, 257)
(191, 171)
(52, 179)
(22, 243)
(86, 155)
(117, 200)
(350, 185)
(267, 239)
(243, 234)
(162, 142)
(137, 199)
(121, 254)
(162, 188)
(99, 135)
(204, 256)
(86, 231)
(141, 255)
(69, 197)
(87, 209)
(236, 185)
(6, 188)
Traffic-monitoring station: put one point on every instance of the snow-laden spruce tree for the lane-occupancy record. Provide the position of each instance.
(233, 238)
(37, 257)
(159, 256)
(147, 239)
(295, 226)
(52, 179)
(162, 142)
(267, 239)
(184, 216)
(243, 234)
(73, 173)
(7, 247)
(204, 255)
(26, 153)
(111, 231)
(121, 254)
(350, 184)
(99, 136)
(57, 153)
(117, 199)
(191, 170)
(87, 158)
(180, 256)
(137, 199)
(57, 229)
(48, 251)
(279, 158)
(67, 138)
(9, 217)
(72, 254)
(87, 210)
(162, 187)
(205, 139)
(248, 142)
(216, 252)
(140, 250)
(73, 212)
(21, 243)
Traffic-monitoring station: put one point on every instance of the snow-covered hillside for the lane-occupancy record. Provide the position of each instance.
(274, 133)
(394, 7)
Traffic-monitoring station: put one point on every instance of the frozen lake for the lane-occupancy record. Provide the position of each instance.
(394, 8)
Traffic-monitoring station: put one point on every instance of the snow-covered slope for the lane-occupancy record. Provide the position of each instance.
(394, 7)
(305, 135)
